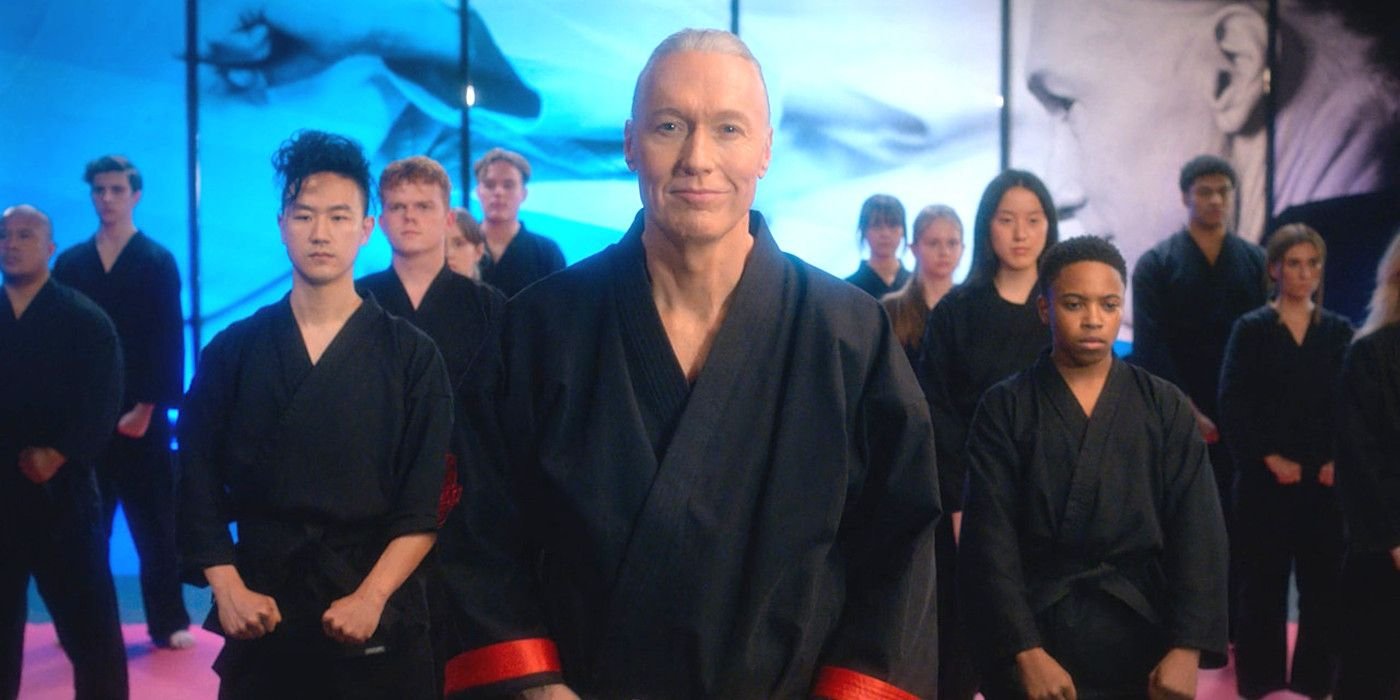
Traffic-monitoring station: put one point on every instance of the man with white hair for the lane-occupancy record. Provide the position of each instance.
(721, 479)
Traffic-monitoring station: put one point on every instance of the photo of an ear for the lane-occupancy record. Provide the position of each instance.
(1242, 37)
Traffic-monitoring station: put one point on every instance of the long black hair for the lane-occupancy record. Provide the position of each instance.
(984, 259)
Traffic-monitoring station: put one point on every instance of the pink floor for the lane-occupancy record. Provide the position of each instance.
(158, 674)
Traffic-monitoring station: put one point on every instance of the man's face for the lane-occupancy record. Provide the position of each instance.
(25, 247)
(1124, 84)
(1209, 201)
(112, 197)
(416, 218)
(324, 227)
(501, 192)
(1085, 310)
(699, 141)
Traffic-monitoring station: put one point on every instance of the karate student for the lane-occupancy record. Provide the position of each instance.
(61, 370)
(462, 317)
(1277, 412)
(1093, 557)
(1368, 477)
(515, 256)
(135, 281)
(981, 332)
(720, 479)
(320, 426)
(1187, 292)
(882, 230)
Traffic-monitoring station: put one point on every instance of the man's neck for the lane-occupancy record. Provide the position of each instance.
(1015, 285)
(499, 234)
(117, 233)
(1209, 239)
(23, 290)
(1086, 382)
(416, 272)
(323, 305)
(698, 278)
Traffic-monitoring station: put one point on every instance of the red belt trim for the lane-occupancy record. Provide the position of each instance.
(501, 662)
(844, 684)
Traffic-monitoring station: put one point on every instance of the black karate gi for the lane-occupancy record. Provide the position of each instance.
(1183, 310)
(768, 528)
(463, 318)
(869, 281)
(1096, 537)
(1278, 397)
(1368, 476)
(141, 294)
(321, 466)
(60, 370)
(973, 339)
(527, 258)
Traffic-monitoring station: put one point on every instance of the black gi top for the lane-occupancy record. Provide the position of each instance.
(463, 317)
(974, 338)
(60, 373)
(868, 280)
(1062, 505)
(141, 294)
(1368, 441)
(1184, 308)
(527, 258)
(310, 459)
(1279, 397)
(735, 538)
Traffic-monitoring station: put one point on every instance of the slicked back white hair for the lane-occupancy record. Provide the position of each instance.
(700, 41)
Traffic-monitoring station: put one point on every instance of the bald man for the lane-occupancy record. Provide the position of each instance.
(60, 365)
(720, 477)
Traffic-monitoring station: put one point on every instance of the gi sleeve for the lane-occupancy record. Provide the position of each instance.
(1195, 557)
(97, 383)
(1241, 389)
(991, 581)
(204, 507)
(158, 372)
(886, 642)
(1151, 341)
(488, 548)
(935, 377)
(423, 447)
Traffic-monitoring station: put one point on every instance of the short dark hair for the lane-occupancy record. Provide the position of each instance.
(880, 209)
(984, 259)
(113, 163)
(1078, 249)
(1203, 165)
(308, 152)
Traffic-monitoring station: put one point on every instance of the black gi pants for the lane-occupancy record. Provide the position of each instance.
(141, 474)
(1279, 528)
(1370, 648)
(54, 532)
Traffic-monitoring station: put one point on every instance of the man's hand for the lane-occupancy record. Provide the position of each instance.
(555, 691)
(1327, 475)
(1286, 471)
(957, 526)
(354, 618)
(39, 464)
(1175, 676)
(1395, 557)
(1043, 677)
(243, 613)
(136, 422)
